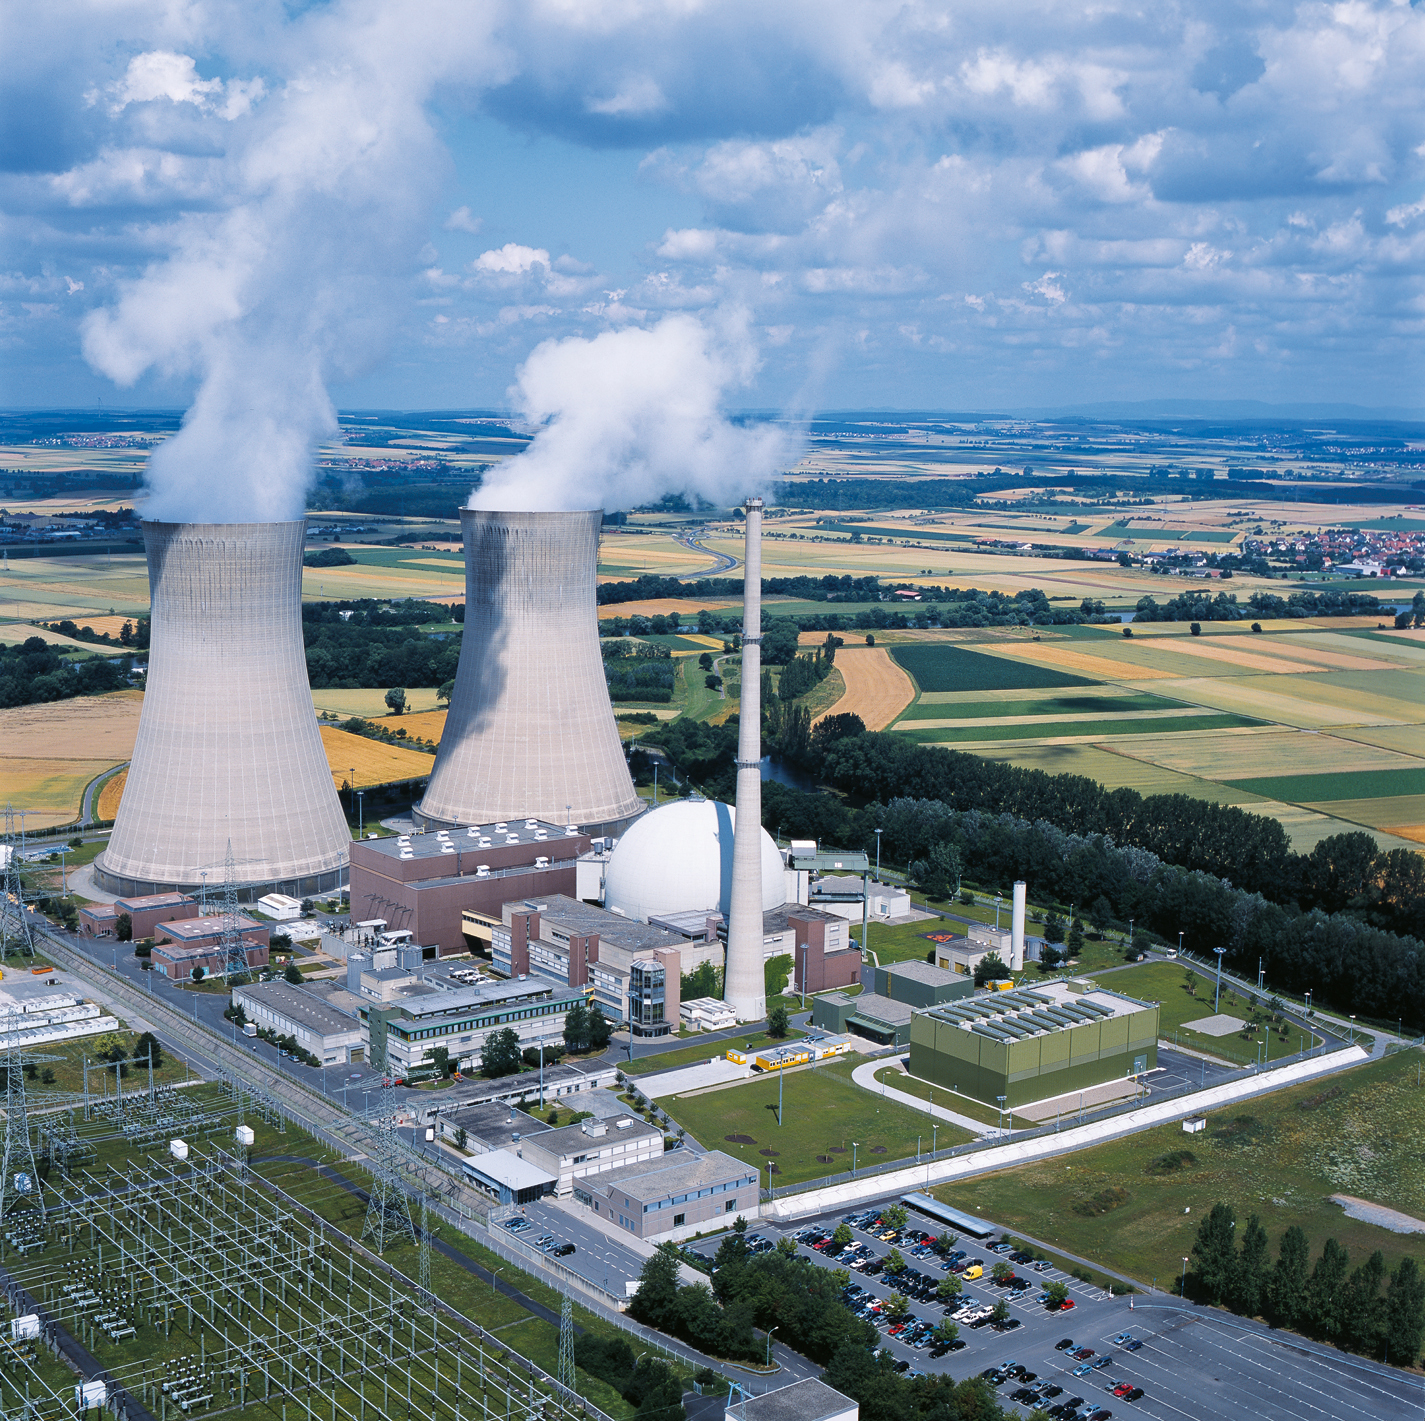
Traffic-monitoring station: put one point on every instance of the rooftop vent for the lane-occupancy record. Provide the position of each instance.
(482, 871)
(541, 862)
(502, 826)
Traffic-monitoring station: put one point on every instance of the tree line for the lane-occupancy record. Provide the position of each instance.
(1367, 1310)
(369, 643)
(34, 672)
(1224, 607)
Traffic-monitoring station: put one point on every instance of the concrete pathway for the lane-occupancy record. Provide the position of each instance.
(865, 1077)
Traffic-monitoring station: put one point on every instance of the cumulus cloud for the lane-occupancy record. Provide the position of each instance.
(630, 415)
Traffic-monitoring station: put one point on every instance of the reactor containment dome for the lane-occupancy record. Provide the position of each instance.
(229, 759)
(678, 858)
(531, 730)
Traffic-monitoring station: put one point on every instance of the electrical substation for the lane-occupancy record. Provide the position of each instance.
(168, 1277)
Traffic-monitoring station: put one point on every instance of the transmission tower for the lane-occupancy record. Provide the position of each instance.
(388, 1209)
(19, 1179)
(425, 1249)
(233, 948)
(15, 931)
(566, 1345)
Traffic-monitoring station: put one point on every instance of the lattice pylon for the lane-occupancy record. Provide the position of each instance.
(567, 1377)
(388, 1209)
(234, 949)
(16, 934)
(425, 1249)
(19, 1179)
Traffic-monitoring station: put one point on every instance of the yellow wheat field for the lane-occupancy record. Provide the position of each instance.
(373, 762)
(370, 703)
(876, 688)
(663, 607)
(48, 791)
(1251, 754)
(1414, 832)
(1081, 661)
(110, 795)
(86, 728)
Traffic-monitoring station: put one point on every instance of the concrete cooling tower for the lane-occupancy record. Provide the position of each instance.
(228, 749)
(531, 730)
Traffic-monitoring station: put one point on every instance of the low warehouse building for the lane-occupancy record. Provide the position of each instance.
(877, 1018)
(1029, 1045)
(592, 1147)
(331, 1036)
(675, 1194)
(918, 984)
(507, 1178)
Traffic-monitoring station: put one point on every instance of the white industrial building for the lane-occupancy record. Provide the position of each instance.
(332, 1036)
(591, 1147)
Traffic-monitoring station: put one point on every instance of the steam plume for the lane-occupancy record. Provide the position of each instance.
(631, 415)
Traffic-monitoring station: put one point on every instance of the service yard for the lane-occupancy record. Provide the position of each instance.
(1190, 1363)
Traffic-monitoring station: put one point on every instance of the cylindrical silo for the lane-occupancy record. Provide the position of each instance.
(531, 730)
(744, 983)
(228, 750)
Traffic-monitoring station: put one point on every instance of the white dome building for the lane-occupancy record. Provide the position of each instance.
(678, 858)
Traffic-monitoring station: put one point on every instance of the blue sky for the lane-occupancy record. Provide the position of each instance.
(863, 204)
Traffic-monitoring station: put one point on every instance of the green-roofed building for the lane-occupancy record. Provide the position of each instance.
(1034, 1043)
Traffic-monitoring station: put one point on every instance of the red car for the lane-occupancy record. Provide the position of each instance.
(1083, 1353)
(1067, 1305)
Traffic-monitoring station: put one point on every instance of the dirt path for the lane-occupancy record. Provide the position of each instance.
(876, 688)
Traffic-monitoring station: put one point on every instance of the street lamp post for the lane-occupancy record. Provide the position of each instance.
(770, 1331)
(495, 1275)
(1001, 1100)
(1217, 998)
(361, 814)
(999, 898)
(853, 1159)
(1183, 1289)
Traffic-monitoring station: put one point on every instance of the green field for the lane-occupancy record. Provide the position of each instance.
(938, 667)
(1166, 984)
(1345, 784)
(1049, 705)
(1089, 729)
(1281, 1157)
(825, 1113)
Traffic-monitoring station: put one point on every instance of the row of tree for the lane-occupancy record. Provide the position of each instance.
(34, 672)
(1367, 1310)
(1197, 606)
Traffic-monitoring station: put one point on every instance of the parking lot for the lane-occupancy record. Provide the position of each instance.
(604, 1261)
(1187, 1363)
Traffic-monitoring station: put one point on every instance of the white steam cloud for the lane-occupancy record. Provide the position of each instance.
(631, 415)
(292, 262)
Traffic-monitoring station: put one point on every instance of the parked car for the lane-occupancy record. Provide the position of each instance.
(564, 1250)
(1132, 1345)
(1064, 1344)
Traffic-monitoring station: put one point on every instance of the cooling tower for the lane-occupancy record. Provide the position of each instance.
(228, 749)
(531, 730)
(744, 983)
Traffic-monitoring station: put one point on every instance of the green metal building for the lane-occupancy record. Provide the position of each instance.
(1033, 1044)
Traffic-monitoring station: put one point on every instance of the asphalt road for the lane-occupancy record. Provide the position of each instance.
(602, 1260)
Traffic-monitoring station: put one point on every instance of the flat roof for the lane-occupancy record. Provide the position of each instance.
(674, 1174)
(809, 1400)
(1033, 1011)
(582, 918)
(966, 1223)
(212, 926)
(884, 1009)
(433, 1001)
(853, 861)
(567, 1139)
(689, 924)
(495, 1126)
(153, 900)
(481, 836)
(778, 920)
(924, 972)
(499, 1167)
(297, 1004)
(525, 1084)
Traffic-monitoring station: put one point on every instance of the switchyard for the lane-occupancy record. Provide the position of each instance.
(178, 1281)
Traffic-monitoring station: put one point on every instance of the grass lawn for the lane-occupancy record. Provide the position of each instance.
(1166, 984)
(948, 1100)
(825, 1113)
(1281, 1157)
(939, 667)
(691, 1055)
(1344, 784)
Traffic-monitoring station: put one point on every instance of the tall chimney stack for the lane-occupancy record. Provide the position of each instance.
(1016, 929)
(744, 985)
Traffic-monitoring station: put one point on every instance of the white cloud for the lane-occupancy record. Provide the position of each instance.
(463, 220)
(162, 74)
(511, 259)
